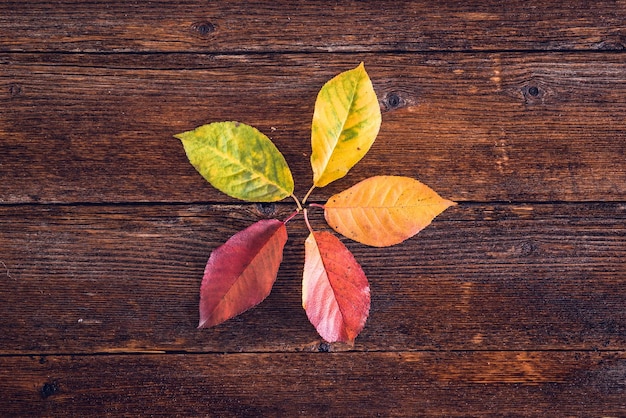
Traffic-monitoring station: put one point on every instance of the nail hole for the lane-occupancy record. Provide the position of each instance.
(533, 91)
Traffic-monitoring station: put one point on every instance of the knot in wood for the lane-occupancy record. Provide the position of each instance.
(323, 347)
(533, 91)
(203, 28)
(266, 209)
(396, 100)
(393, 100)
(15, 90)
(49, 389)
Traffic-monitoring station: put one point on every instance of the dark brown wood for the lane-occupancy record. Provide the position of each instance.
(466, 383)
(329, 26)
(509, 304)
(126, 279)
(478, 127)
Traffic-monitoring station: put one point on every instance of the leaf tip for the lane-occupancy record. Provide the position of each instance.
(204, 322)
(450, 203)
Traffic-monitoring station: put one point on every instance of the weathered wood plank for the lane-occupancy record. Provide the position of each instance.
(494, 309)
(126, 279)
(287, 26)
(338, 384)
(480, 127)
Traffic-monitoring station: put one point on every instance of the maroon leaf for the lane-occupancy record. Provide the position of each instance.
(240, 274)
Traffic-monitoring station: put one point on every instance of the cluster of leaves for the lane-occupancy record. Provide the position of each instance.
(379, 211)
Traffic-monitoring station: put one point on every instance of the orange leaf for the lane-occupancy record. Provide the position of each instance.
(384, 210)
(335, 292)
(240, 274)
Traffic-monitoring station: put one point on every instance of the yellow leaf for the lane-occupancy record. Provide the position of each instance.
(384, 210)
(346, 121)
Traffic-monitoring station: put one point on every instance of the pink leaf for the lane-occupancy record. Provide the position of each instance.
(335, 292)
(240, 274)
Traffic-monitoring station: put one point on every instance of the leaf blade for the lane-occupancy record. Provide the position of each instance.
(346, 121)
(384, 210)
(238, 160)
(241, 272)
(335, 291)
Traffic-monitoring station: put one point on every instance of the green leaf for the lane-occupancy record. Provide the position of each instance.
(346, 121)
(238, 160)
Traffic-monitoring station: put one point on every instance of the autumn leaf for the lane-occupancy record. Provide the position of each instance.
(384, 210)
(238, 160)
(346, 121)
(240, 273)
(380, 211)
(335, 292)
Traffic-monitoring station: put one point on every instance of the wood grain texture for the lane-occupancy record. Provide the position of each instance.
(479, 127)
(126, 279)
(338, 384)
(510, 304)
(329, 26)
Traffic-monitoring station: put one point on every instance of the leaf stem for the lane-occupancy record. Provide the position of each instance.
(306, 220)
(317, 205)
(290, 217)
(297, 202)
(306, 196)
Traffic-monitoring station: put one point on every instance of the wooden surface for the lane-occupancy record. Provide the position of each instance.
(510, 304)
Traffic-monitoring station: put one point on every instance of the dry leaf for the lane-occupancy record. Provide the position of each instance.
(335, 292)
(384, 210)
(238, 160)
(346, 121)
(240, 274)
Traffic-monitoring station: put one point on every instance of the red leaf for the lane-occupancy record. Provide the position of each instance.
(240, 274)
(335, 292)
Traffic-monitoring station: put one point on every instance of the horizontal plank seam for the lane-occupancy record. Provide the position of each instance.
(469, 203)
(313, 352)
(321, 51)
